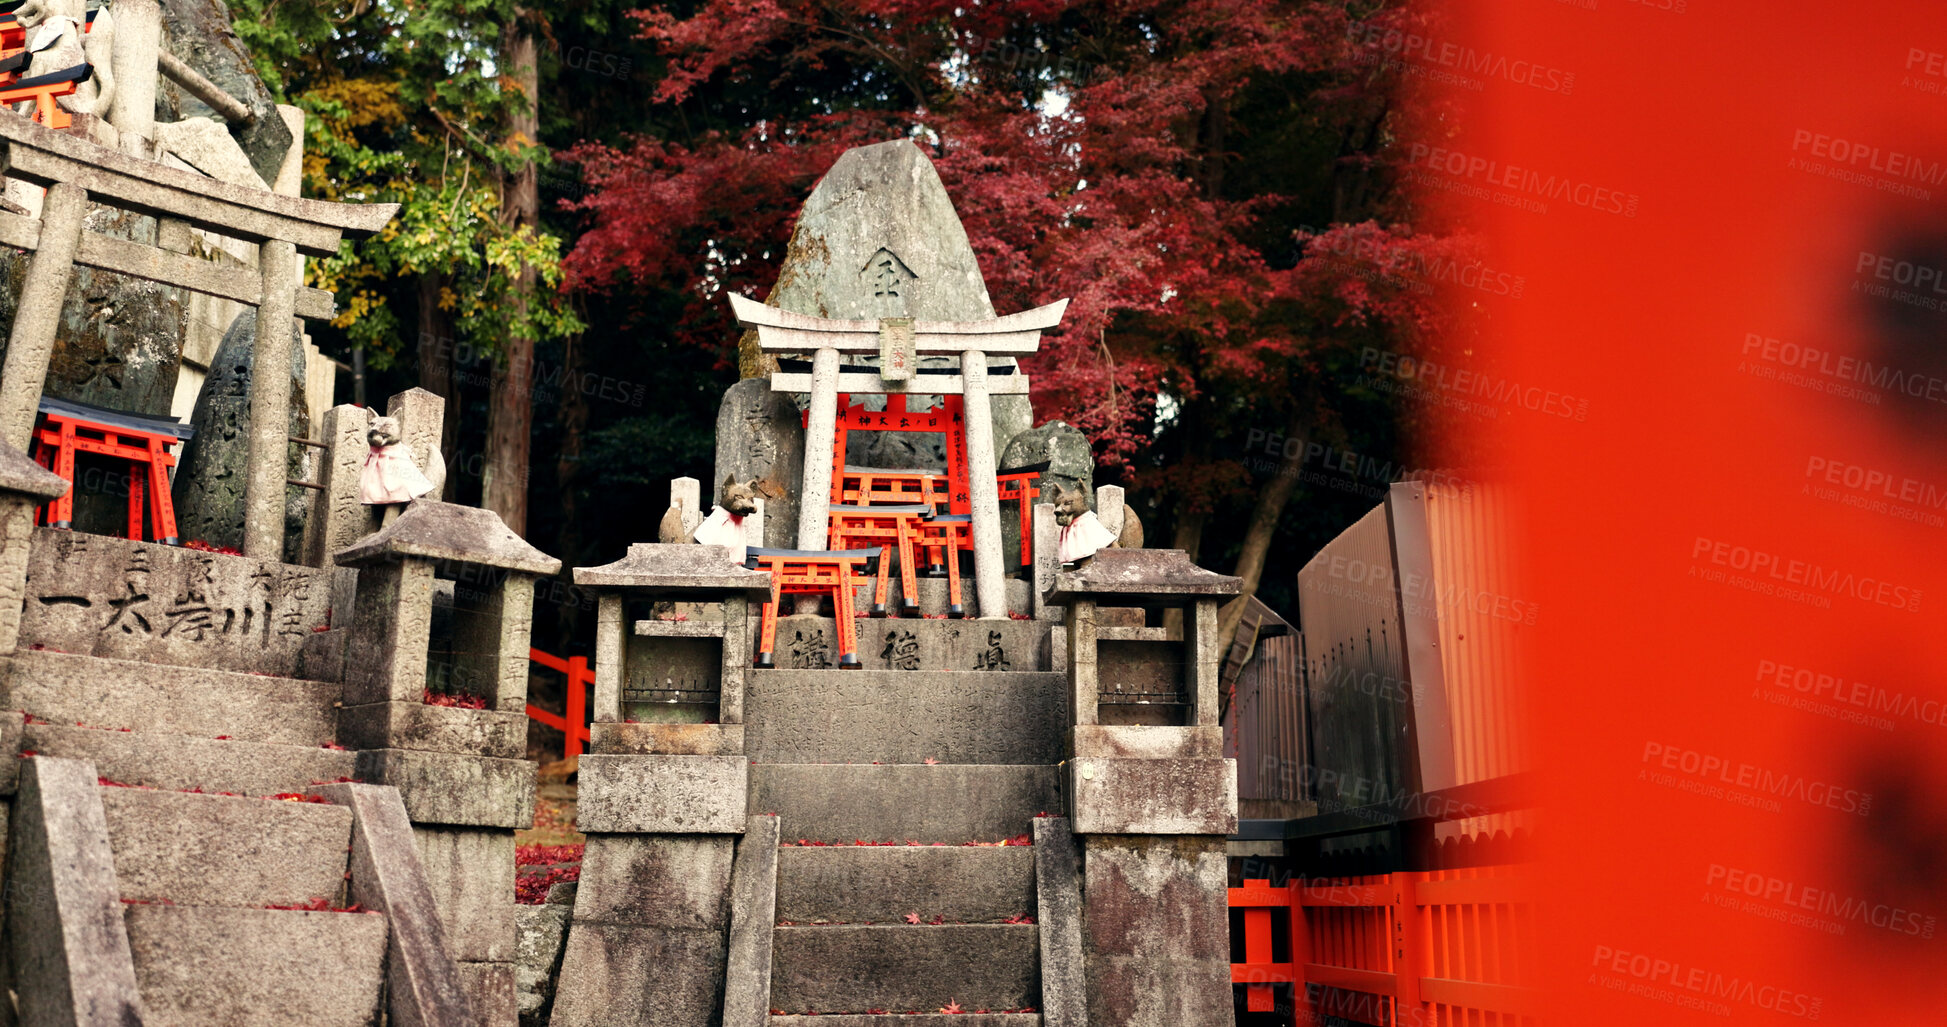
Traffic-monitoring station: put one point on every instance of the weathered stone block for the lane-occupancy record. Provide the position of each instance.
(257, 967)
(385, 657)
(947, 803)
(424, 727)
(626, 975)
(980, 966)
(422, 982)
(70, 953)
(805, 642)
(799, 716)
(182, 764)
(625, 739)
(1057, 884)
(662, 794)
(1133, 741)
(676, 881)
(760, 435)
(542, 931)
(491, 988)
(219, 850)
(753, 919)
(1166, 796)
(64, 688)
(131, 600)
(11, 725)
(1157, 931)
(470, 873)
(882, 883)
(446, 788)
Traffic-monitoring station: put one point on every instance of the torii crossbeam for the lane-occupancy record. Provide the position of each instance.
(898, 341)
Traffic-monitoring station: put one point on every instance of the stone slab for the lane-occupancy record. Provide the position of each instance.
(905, 643)
(624, 738)
(661, 794)
(889, 716)
(447, 788)
(490, 987)
(257, 967)
(853, 969)
(760, 436)
(882, 883)
(427, 728)
(947, 803)
(130, 600)
(422, 982)
(12, 727)
(678, 570)
(183, 764)
(542, 931)
(217, 850)
(449, 532)
(69, 952)
(627, 975)
(470, 872)
(1157, 931)
(1148, 742)
(1171, 796)
(1142, 576)
(1057, 873)
(753, 914)
(679, 882)
(64, 688)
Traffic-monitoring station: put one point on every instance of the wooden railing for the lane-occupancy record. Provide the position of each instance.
(573, 724)
(1422, 948)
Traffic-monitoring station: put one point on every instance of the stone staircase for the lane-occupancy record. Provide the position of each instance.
(208, 810)
(935, 914)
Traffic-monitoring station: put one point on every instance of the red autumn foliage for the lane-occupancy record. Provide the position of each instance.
(463, 702)
(540, 867)
(204, 547)
(1096, 173)
(301, 797)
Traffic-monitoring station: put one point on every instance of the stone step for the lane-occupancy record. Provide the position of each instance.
(201, 965)
(911, 1020)
(857, 969)
(891, 716)
(215, 850)
(182, 763)
(98, 692)
(915, 643)
(951, 803)
(883, 883)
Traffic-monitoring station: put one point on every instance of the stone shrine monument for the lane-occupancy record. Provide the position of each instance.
(1018, 813)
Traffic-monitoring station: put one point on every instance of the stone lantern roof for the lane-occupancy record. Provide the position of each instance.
(678, 570)
(1142, 576)
(19, 473)
(447, 531)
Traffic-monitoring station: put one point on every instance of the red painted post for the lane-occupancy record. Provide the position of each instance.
(579, 678)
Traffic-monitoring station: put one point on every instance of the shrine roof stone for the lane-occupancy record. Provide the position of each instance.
(19, 473)
(447, 531)
(1142, 575)
(678, 569)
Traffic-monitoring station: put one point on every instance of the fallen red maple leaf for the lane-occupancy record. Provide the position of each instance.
(952, 1007)
(912, 918)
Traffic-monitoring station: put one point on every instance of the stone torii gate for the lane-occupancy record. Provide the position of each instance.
(77, 172)
(897, 341)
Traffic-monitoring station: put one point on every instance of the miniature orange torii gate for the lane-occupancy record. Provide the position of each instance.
(897, 342)
(77, 172)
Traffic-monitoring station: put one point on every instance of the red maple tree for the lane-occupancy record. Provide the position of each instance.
(1095, 150)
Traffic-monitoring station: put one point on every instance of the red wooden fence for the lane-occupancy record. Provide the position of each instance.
(1412, 949)
(580, 678)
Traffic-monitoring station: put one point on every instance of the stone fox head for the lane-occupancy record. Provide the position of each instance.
(383, 432)
(739, 497)
(1069, 504)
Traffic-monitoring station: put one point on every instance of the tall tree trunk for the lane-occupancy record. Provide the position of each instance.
(510, 415)
(1264, 524)
(436, 355)
(574, 425)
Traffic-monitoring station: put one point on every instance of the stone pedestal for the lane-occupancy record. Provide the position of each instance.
(1151, 796)
(461, 772)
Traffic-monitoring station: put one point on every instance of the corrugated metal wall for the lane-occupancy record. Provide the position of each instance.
(1268, 730)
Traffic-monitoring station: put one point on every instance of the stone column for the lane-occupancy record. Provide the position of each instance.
(814, 501)
(31, 345)
(270, 405)
(989, 584)
(138, 39)
(609, 656)
(339, 519)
